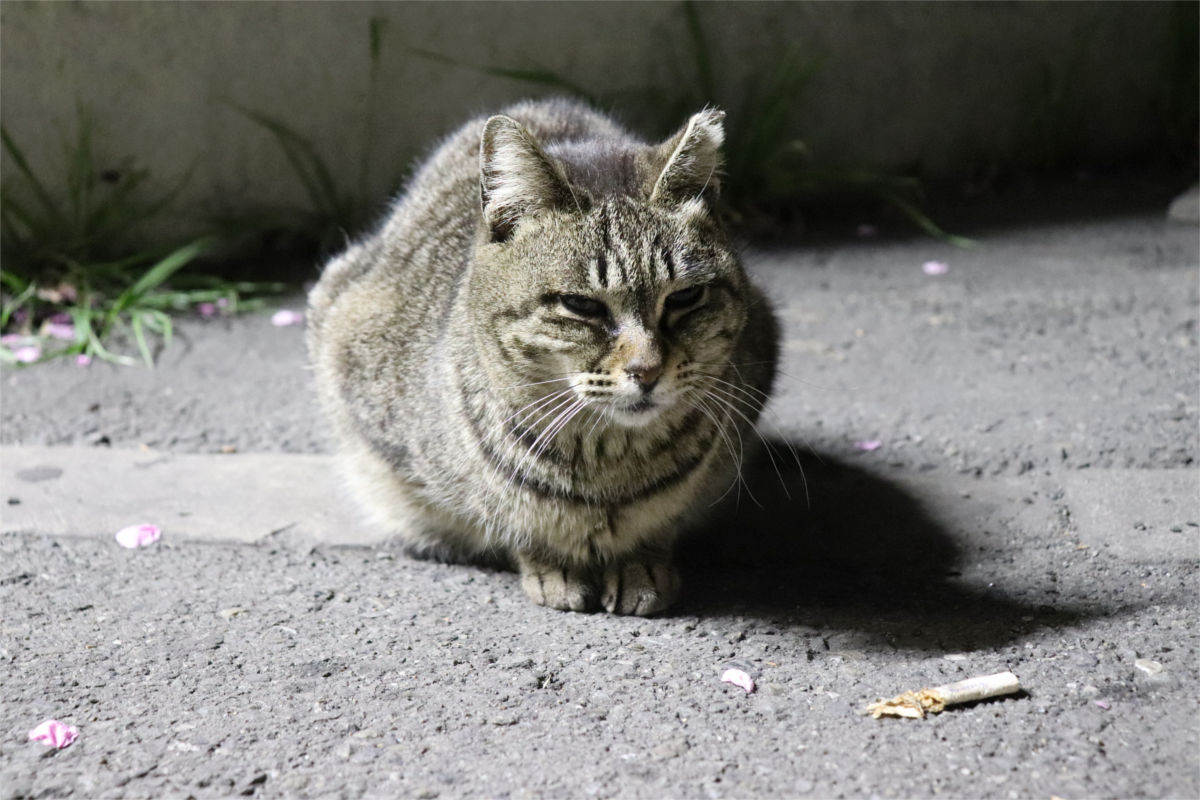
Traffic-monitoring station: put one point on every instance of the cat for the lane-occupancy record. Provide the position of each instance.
(549, 355)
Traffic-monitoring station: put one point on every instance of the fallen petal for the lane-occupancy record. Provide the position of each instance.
(53, 733)
(138, 535)
(869, 444)
(738, 678)
(83, 359)
(1102, 704)
(935, 268)
(287, 317)
(59, 330)
(206, 310)
(27, 354)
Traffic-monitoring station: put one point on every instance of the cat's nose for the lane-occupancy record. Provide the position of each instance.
(644, 374)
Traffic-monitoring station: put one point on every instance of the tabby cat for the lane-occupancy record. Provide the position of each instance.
(549, 354)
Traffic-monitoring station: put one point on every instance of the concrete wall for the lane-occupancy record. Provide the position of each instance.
(936, 88)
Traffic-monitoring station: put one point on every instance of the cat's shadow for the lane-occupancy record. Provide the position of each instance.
(828, 544)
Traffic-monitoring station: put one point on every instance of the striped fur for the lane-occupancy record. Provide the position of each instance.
(549, 354)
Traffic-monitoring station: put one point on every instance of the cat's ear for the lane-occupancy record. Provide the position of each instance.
(691, 161)
(516, 177)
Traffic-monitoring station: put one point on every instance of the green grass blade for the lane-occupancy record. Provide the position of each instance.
(169, 265)
(535, 75)
(81, 176)
(44, 197)
(13, 281)
(922, 221)
(310, 168)
(701, 51)
(155, 276)
(375, 29)
(139, 335)
(15, 216)
(166, 328)
(21, 298)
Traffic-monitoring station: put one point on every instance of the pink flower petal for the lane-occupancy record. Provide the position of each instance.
(53, 733)
(59, 330)
(27, 354)
(9, 339)
(83, 359)
(206, 310)
(287, 317)
(138, 535)
(738, 678)
(222, 302)
(1102, 704)
(869, 444)
(935, 268)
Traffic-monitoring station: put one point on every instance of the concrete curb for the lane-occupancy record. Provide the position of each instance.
(1138, 515)
(70, 491)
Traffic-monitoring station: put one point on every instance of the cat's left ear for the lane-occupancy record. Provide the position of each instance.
(691, 161)
(517, 177)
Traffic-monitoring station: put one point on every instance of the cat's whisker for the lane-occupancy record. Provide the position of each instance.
(551, 433)
(604, 415)
(739, 479)
(558, 426)
(741, 444)
(775, 422)
(728, 399)
(778, 371)
(555, 408)
(729, 409)
(565, 410)
(770, 416)
(744, 396)
(568, 377)
(534, 405)
(770, 450)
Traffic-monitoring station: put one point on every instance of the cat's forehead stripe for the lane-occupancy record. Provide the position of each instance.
(600, 265)
(668, 262)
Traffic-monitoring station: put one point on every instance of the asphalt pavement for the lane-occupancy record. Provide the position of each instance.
(996, 470)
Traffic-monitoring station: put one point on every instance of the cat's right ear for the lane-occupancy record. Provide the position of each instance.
(691, 161)
(516, 177)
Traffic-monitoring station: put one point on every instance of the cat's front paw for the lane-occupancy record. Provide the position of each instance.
(640, 587)
(563, 588)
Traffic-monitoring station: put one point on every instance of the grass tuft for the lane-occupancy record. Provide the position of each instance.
(75, 281)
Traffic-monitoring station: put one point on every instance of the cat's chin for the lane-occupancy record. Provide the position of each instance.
(639, 415)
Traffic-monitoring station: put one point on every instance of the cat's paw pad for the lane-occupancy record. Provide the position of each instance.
(640, 588)
(559, 588)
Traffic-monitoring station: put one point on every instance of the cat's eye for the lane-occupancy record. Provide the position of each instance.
(684, 298)
(583, 306)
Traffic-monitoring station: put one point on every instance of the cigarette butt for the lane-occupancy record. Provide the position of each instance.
(915, 705)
